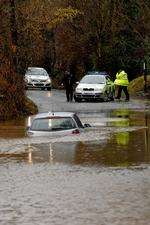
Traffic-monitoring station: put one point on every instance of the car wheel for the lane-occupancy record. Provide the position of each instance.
(106, 97)
(49, 88)
(102, 99)
(77, 99)
(111, 96)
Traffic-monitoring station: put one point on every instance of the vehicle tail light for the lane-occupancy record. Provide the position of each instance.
(76, 131)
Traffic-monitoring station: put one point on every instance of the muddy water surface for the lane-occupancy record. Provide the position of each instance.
(101, 177)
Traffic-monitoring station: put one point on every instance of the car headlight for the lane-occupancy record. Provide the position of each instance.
(101, 90)
(98, 89)
(48, 80)
(26, 79)
(78, 89)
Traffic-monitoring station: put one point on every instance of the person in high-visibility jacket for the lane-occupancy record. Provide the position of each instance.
(122, 83)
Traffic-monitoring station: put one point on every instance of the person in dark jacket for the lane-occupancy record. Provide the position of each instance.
(68, 82)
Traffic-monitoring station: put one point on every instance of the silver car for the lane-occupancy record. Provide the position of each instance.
(95, 86)
(55, 124)
(36, 77)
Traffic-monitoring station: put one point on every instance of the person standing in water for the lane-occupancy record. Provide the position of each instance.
(68, 82)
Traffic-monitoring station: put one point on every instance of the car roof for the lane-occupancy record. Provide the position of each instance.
(35, 68)
(97, 73)
(94, 75)
(54, 114)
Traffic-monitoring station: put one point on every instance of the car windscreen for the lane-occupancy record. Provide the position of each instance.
(92, 79)
(36, 72)
(53, 124)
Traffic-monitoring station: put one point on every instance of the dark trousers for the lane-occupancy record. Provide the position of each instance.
(125, 90)
(69, 94)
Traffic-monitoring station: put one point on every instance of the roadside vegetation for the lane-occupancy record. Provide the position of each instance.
(136, 86)
(75, 35)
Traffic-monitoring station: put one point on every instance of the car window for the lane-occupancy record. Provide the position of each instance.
(108, 78)
(53, 124)
(45, 73)
(91, 79)
(78, 121)
(104, 73)
(36, 72)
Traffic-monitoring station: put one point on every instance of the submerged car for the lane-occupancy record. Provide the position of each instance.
(95, 86)
(55, 123)
(36, 77)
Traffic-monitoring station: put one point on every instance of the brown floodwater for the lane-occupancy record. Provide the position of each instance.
(99, 178)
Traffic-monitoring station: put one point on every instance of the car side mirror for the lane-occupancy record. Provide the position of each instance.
(27, 128)
(108, 82)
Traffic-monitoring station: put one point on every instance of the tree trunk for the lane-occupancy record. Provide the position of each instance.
(13, 34)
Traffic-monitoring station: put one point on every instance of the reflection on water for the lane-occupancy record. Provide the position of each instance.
(52, 153)
(121, 149)
(13, 129)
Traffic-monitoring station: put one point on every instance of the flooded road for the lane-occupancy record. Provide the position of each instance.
(100, 177)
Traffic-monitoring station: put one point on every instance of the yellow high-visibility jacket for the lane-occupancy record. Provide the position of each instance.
(121, 79)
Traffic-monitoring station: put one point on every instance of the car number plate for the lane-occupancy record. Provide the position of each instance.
(88, 94)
